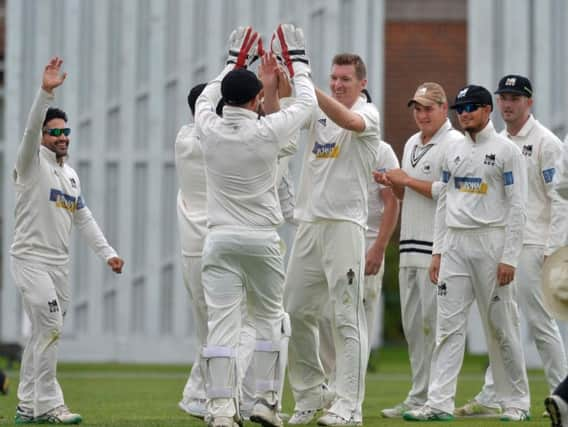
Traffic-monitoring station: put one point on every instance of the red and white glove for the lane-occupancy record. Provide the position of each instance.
(289, 46)
(242, 47)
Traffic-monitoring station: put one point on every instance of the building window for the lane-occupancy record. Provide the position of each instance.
(141, 124)
(167, 301)
(168, 215)
(138, 312)
(140, 216)
(86, 55)
(143, 37)
(114, 49)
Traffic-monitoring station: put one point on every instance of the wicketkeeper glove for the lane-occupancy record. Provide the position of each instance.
(243, 47)
(289, 46)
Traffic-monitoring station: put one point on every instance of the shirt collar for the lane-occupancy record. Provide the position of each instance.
(487, 133)
(446, 126)
(526, 129)
(50, 155)
(231, 113)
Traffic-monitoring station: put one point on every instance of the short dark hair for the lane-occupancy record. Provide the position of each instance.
(54, 113)
(351, 59)
(193, 95)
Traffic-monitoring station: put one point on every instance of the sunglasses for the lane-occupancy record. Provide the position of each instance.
(468, 108)
(57, 131)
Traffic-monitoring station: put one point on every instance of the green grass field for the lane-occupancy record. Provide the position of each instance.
(147, 395)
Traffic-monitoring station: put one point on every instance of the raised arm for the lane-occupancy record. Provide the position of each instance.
(27, 153)
(340, 114)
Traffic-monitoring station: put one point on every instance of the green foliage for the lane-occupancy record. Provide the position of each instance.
(393, 334)
(147, 395)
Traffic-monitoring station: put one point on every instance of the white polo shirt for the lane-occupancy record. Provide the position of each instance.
(423, 162)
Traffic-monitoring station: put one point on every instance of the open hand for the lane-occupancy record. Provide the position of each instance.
(52, 75)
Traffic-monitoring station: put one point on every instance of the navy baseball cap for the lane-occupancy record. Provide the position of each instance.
(240, 86)
(516, 84)
(473, 94)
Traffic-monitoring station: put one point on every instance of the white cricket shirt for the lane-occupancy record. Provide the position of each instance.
(337, 168)
(547, 212)
(49, 200)
(486, 186)
(192, 194)
(241, 151)
(386, 160)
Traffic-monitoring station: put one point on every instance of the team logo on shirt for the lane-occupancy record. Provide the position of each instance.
(65, 201)
(470, 184)
(53, 307)
(457, 160)
(489, 159)
(73, 183)
(326, 151)
(426, 168)
(527, 150)
(442, 289)
(323, 121)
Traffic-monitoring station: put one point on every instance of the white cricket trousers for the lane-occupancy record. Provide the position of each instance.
(195, 386)
(191, 270)
(372, 293)
(468, 271)
(46, 295)
(327, 263)
(233, 260)
(542, 326)
(418, 310)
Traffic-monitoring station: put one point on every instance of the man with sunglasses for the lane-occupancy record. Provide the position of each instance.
(48, 204)
(416, 184)
(478, 235)
(545, 232)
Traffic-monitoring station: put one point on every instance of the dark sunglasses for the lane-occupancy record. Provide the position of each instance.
(57, 131)
(468, 108)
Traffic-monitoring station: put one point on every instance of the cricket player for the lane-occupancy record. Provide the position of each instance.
(416, 184)
(557, 403)
(545, 231)
(478, 238)
(383, 208)
(242, 247)
(327, 262)
(49, 202)
(192, 222)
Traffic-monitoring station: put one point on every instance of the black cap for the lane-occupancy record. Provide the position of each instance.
(513, 83)
(193, 95)
(240, 86)
(473, 94)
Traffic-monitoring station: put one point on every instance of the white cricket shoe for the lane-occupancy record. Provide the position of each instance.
(266, 415)
(475, 409)
(426, 413)
(398, 410)
(306, 415)
(59, 415)
(194, 407)
(331, 419)
(557, 408)
(515, 414)
(302, 417)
